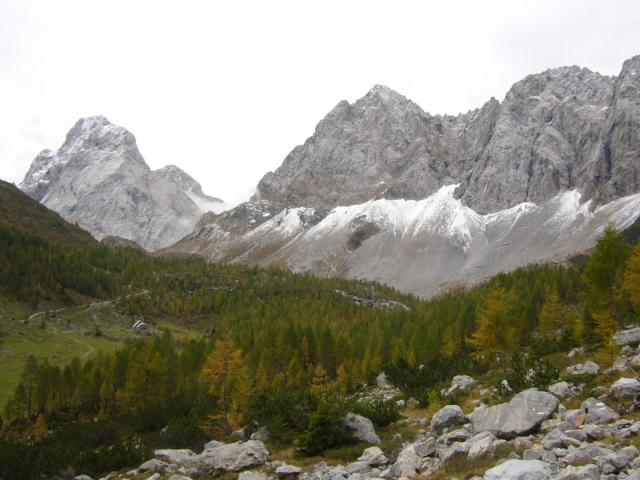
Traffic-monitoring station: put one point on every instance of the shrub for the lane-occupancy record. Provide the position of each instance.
(326, 431)
(380, 412)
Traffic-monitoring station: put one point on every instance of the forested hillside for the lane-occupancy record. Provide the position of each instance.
(274, 348)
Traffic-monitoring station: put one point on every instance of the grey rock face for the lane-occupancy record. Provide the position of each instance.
(521, 415)
(99, 180)
(382, 189)
(625, 388)
(557, 130)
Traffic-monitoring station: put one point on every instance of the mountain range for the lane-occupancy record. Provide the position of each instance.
(385, 191)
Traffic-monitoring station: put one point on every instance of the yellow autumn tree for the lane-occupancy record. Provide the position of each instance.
(495, 331)
(551, 320)
(39, 428)
(226, 375)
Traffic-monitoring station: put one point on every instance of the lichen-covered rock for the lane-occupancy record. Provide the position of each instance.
(231, 457)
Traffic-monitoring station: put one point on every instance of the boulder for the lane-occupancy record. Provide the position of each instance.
(212, 444)
(585, 472)
(382, 381)
(231, 457)
(362, 428)
(252, 476)
(483, 444)
(407, 464)
(519, 470)
(459, 383)
(373, 457)
(448, 416)
(625, 388)
(588, 453)
(425, 448)
(586, 368)
(598, 411)
(562, 389)
(288, 471)
(174, 456)
(262, 434)
(153, 465)
(521, 415)
(630, 335)
(82, 477)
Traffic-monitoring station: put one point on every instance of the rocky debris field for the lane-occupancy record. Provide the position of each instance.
(572, 430)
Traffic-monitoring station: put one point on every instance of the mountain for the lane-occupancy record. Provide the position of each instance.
(384, 191)
(99, 179)
(18, 210)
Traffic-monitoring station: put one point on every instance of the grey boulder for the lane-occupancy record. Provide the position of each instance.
(448, 416)
(362, 428)
(625, 388)
(519, 470)
(520, 416)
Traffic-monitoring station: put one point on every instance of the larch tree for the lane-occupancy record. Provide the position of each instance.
(226, 375)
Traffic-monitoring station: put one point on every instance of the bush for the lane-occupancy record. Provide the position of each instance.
(382, 413)
(523, 373)
(326, 431)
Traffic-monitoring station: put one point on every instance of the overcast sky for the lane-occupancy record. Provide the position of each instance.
(226, 89)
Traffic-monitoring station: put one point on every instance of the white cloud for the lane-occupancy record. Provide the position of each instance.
(226, 89)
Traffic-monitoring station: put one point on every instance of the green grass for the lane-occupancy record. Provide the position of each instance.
(71, 334)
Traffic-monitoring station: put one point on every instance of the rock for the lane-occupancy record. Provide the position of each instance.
(448, 416)
(459, 435)
(212, 444)
(519, 470)
(412, 403)
(231, 457)
(586, 368)
(373, 457)
(153, 465)
(425, 448)
(598, 411)
(483, 444)
(382, 382)
(262, 434)
(594, 431)
(82, 477)
(520, 416)
(174, 456)
(625, 337)
(155, 476)
(288, 471)
(585, 454)
(585, 472)
(362, 428)
(249, 475)
(407, 464)
(459, 383)
(562, 389)
(575, 351)
(237, 435)
(625, 388)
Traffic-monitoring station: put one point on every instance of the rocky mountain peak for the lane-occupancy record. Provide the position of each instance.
(99, 179)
